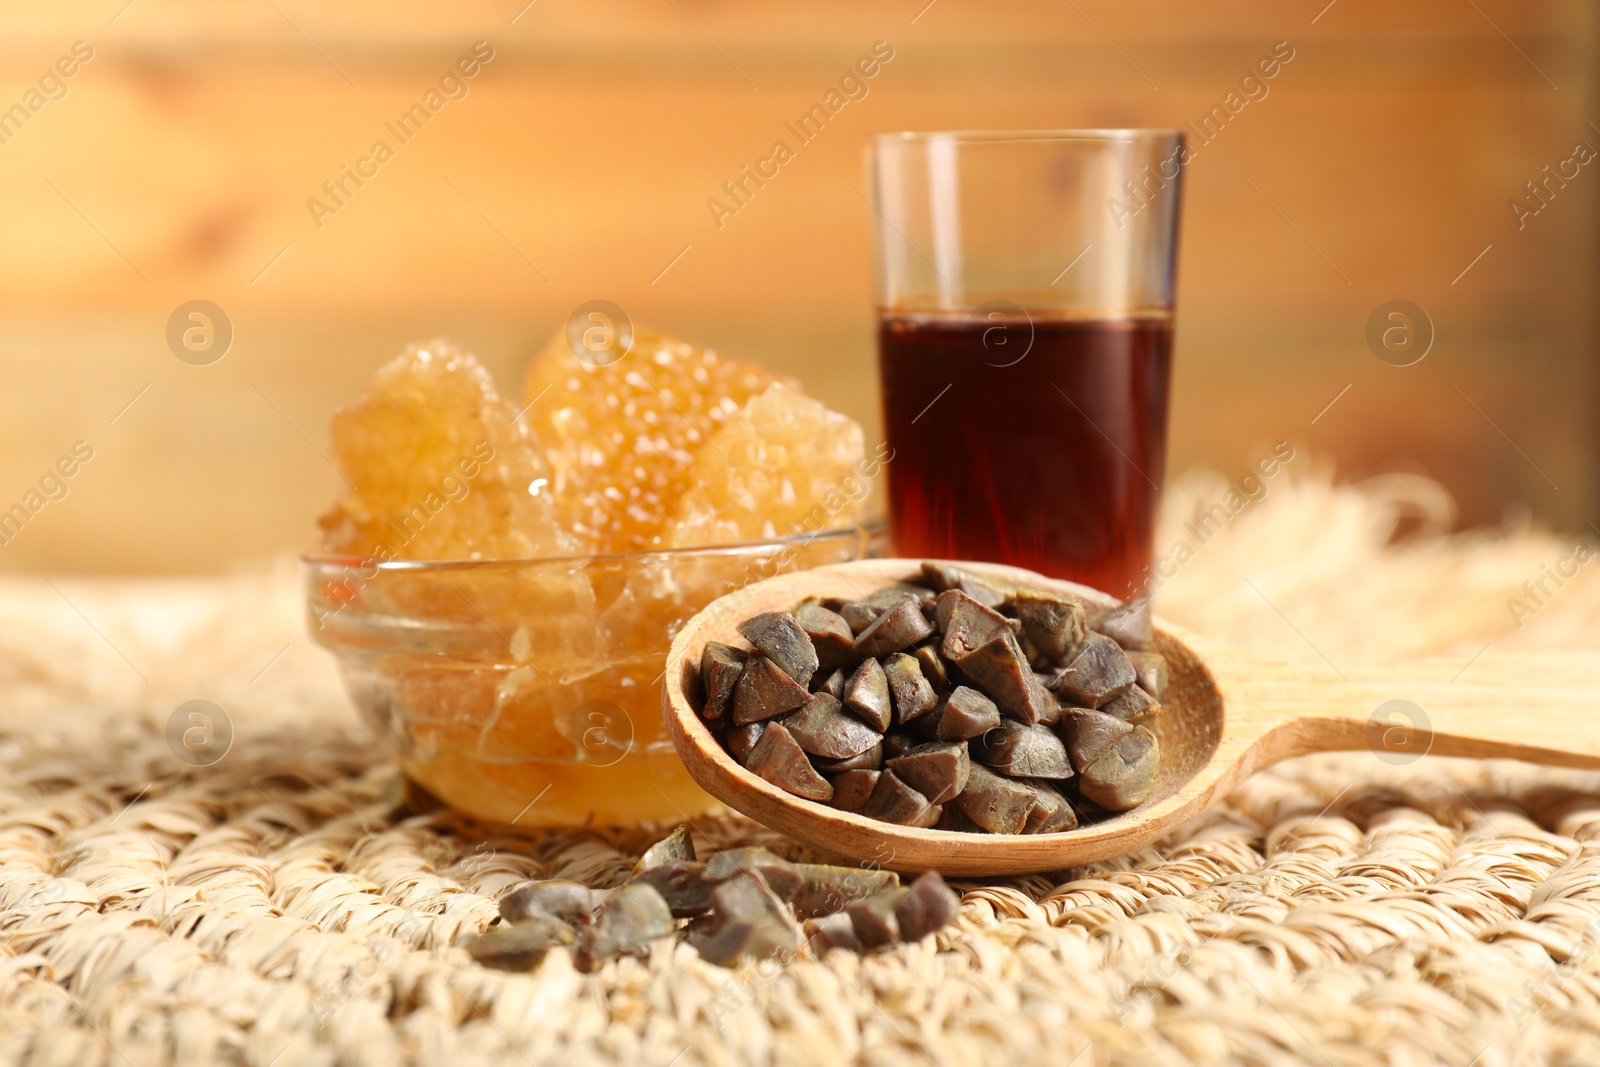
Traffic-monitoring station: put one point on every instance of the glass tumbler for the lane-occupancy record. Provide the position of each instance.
(1024, 283)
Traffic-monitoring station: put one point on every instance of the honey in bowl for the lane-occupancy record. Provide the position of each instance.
(502, 588)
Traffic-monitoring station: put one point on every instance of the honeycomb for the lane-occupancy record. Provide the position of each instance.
(622, 438)
(438, 468)
(783, 465)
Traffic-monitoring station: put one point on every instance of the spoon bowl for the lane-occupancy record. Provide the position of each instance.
(1226, 714)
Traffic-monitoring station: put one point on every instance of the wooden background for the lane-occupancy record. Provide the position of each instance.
(178, 166)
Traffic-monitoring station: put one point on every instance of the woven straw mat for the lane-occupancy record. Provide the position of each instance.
(280, 908)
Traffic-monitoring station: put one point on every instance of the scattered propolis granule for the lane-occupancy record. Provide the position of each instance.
(775, 469)
(622, 438)
(438, 468)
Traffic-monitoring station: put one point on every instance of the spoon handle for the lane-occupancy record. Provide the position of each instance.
(1543, 707)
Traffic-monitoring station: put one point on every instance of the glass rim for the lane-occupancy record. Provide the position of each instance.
(342, 561)
(1106, 135)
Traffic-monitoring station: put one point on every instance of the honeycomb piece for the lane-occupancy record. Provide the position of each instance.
(621, 439)
(783, 465)
(438, 467)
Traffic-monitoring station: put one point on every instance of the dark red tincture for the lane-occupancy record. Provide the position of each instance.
(1037, 443)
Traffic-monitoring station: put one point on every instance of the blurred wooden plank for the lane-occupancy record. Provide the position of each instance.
(215, 168)
(620, 22)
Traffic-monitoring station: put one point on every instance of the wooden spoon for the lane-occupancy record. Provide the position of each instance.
(1226, 715)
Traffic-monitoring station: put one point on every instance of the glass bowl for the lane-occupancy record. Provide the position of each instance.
(528, 691)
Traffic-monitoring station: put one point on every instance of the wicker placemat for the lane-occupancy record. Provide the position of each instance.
(281, 907)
